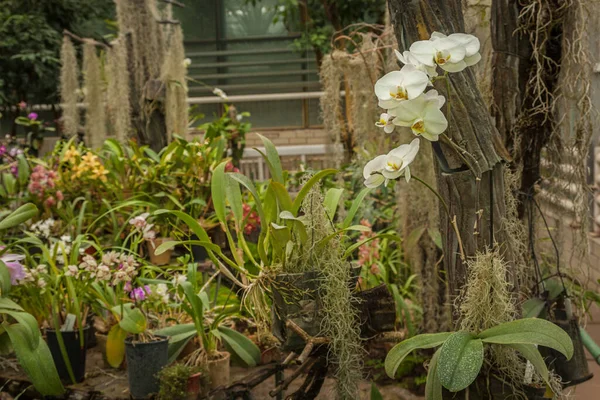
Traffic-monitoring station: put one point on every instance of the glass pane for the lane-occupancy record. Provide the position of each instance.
(198, 19)
(242, 19)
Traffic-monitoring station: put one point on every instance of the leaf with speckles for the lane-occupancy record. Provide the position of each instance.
(530, 331)
(404, 348)
(433, 387)
(460, 360)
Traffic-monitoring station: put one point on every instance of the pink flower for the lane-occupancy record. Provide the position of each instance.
(22, 105)
(50, 201)
(59, 195)
(229, 167)
(32, 116)
(15, 268)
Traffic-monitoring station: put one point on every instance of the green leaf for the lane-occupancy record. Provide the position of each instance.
(433, 386)
(179, 336)
(332, 199)
(217, 184)
(533, 307)
(23, 170)
(29, 323)
(413, 238)
(133, 321)
(436, 237)
(9, 304)
(5, 281)
(172, 243)
(272, 159)
(356, 245)
(375, 393)
(20, 215)
(234, 198)
(241, 346)
(247, 183)
(283, 197)
(404, 348)
(530, 331)
(307, 186)
(354, 207)
(531, 353)
(37, 363)
(460, 360)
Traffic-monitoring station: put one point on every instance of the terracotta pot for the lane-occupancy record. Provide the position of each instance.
(196, 386)
(219, 371)
(159, 259)
(272, 354)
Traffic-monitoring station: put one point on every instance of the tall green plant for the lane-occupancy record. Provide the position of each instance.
(19, 330)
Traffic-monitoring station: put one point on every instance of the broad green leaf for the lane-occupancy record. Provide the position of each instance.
(530, 331)
(217, 185)
(402, 309)
(10, 305)
(436, 237)
(283, 197)
(354, 207)
(234, 198)
(307, 186)
(296, 224)
(272, 159)
(29, 323)
(531, 353)
(179, 336)
(37, 363)
(241, 346)
(10, 183)
(20, 215)
(356, 245)
(172, 243)
(375, 393)
(460, 360)
(133, 321)
(404, 348)
(5, 281)
(5, 345)
(433, 386)
(23, 170)
(332, 199)
(115, 346)
(196, 305)
(247, 183)
(554, 288)
(533, 307)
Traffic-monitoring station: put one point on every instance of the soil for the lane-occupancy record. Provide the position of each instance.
(105, 384)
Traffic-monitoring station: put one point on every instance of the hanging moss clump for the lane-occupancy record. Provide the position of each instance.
(174, 77)
(119, 107)
(95, 118)
(69, 86)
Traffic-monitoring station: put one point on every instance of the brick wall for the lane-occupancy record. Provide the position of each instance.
(285, 137)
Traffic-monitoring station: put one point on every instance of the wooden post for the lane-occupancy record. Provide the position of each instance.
(470, 193)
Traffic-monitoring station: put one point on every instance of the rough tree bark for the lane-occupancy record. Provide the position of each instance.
(525, 130)
(468, 192)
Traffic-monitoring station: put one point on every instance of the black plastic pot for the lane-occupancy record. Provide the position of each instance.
(75, 352)
(297, 297)
(199, 253)
(574, 371)
(144, 362)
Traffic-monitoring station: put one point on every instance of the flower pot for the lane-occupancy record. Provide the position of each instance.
(297, 297)
(492, 389)
(144, 362)
(196, 385)
(219, 371)
(272, 354)
(199, 253)
(75, 352)
(576, 370)
(159, 259)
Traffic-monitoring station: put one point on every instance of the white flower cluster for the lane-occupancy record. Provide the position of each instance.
(43, 228)
(402, 94)
(162, 291)
(62, 247)
(36, 276)
(141, 224)
(114, 267)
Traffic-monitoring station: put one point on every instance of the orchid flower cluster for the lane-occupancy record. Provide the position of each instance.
(141, 224)
(114, 268)
(402, 93)
(153, 293)
(42, 183)
(45, 230)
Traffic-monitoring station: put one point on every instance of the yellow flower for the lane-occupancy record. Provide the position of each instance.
(71, 155)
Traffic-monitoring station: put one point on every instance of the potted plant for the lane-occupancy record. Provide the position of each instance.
(456, 365)
(180, 381)
(21, 332)
(208, 334)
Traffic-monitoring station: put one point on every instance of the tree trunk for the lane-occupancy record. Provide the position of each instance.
(525, 130)
(470, 193)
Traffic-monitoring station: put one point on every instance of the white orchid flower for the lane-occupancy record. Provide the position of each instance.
(448, 53)
(391, 166)
(407, 58)
(187, 62)
(385, 122)
(398, 86)
(422, 115)
(469, 42)
(220, 93)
